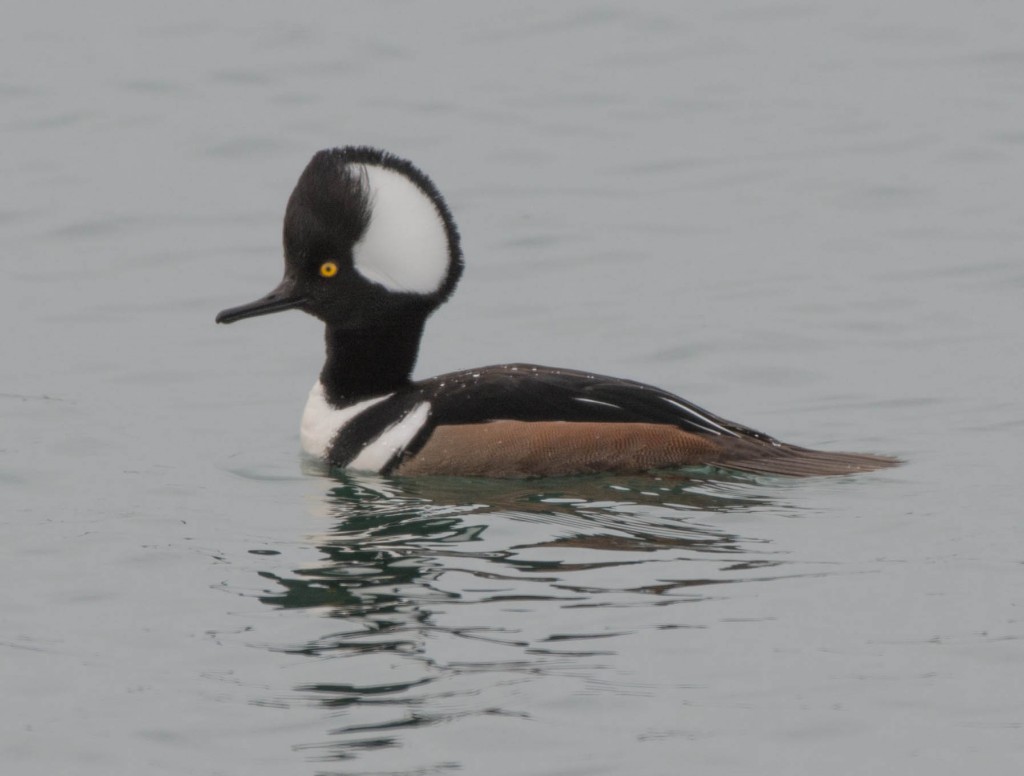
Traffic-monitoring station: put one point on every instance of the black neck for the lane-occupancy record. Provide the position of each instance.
(369, 362)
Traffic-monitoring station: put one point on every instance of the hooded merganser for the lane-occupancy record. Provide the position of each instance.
(371, 249)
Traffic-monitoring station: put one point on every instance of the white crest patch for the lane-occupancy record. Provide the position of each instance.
(322, 421)
(405, 247)
(394, 439)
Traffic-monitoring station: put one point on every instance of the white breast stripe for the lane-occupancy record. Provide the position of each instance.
(405, 247)
(322, 421)
(704, 418)
(393, 440)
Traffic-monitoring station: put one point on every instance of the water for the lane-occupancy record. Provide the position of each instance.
(803, 217)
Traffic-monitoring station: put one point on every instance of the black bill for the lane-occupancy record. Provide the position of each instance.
(284, 297)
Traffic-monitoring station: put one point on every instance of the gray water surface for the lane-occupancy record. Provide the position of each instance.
(803, 216)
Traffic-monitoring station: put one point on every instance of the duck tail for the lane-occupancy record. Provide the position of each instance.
(793, 461)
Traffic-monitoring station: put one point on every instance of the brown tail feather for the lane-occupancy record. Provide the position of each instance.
(792, 461)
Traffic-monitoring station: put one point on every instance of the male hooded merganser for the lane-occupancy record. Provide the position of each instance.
(371, 249)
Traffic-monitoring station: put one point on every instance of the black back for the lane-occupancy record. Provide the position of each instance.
(527, 392)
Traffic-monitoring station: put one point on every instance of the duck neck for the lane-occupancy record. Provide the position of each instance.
(362, 363)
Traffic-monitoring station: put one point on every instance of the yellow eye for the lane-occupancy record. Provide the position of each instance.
(328, 269)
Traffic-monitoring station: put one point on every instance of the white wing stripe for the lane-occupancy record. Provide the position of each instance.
(712, 425)
(596, 401)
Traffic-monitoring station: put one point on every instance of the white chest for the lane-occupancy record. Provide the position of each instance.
(322, 422)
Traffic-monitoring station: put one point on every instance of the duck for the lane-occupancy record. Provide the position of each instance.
(371, 249)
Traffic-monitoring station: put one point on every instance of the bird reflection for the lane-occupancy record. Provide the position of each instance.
(392, 535)
(415, 570)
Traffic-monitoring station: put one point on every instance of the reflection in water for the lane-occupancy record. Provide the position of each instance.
(441, 592)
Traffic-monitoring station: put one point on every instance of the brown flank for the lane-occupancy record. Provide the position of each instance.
(513, 448)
